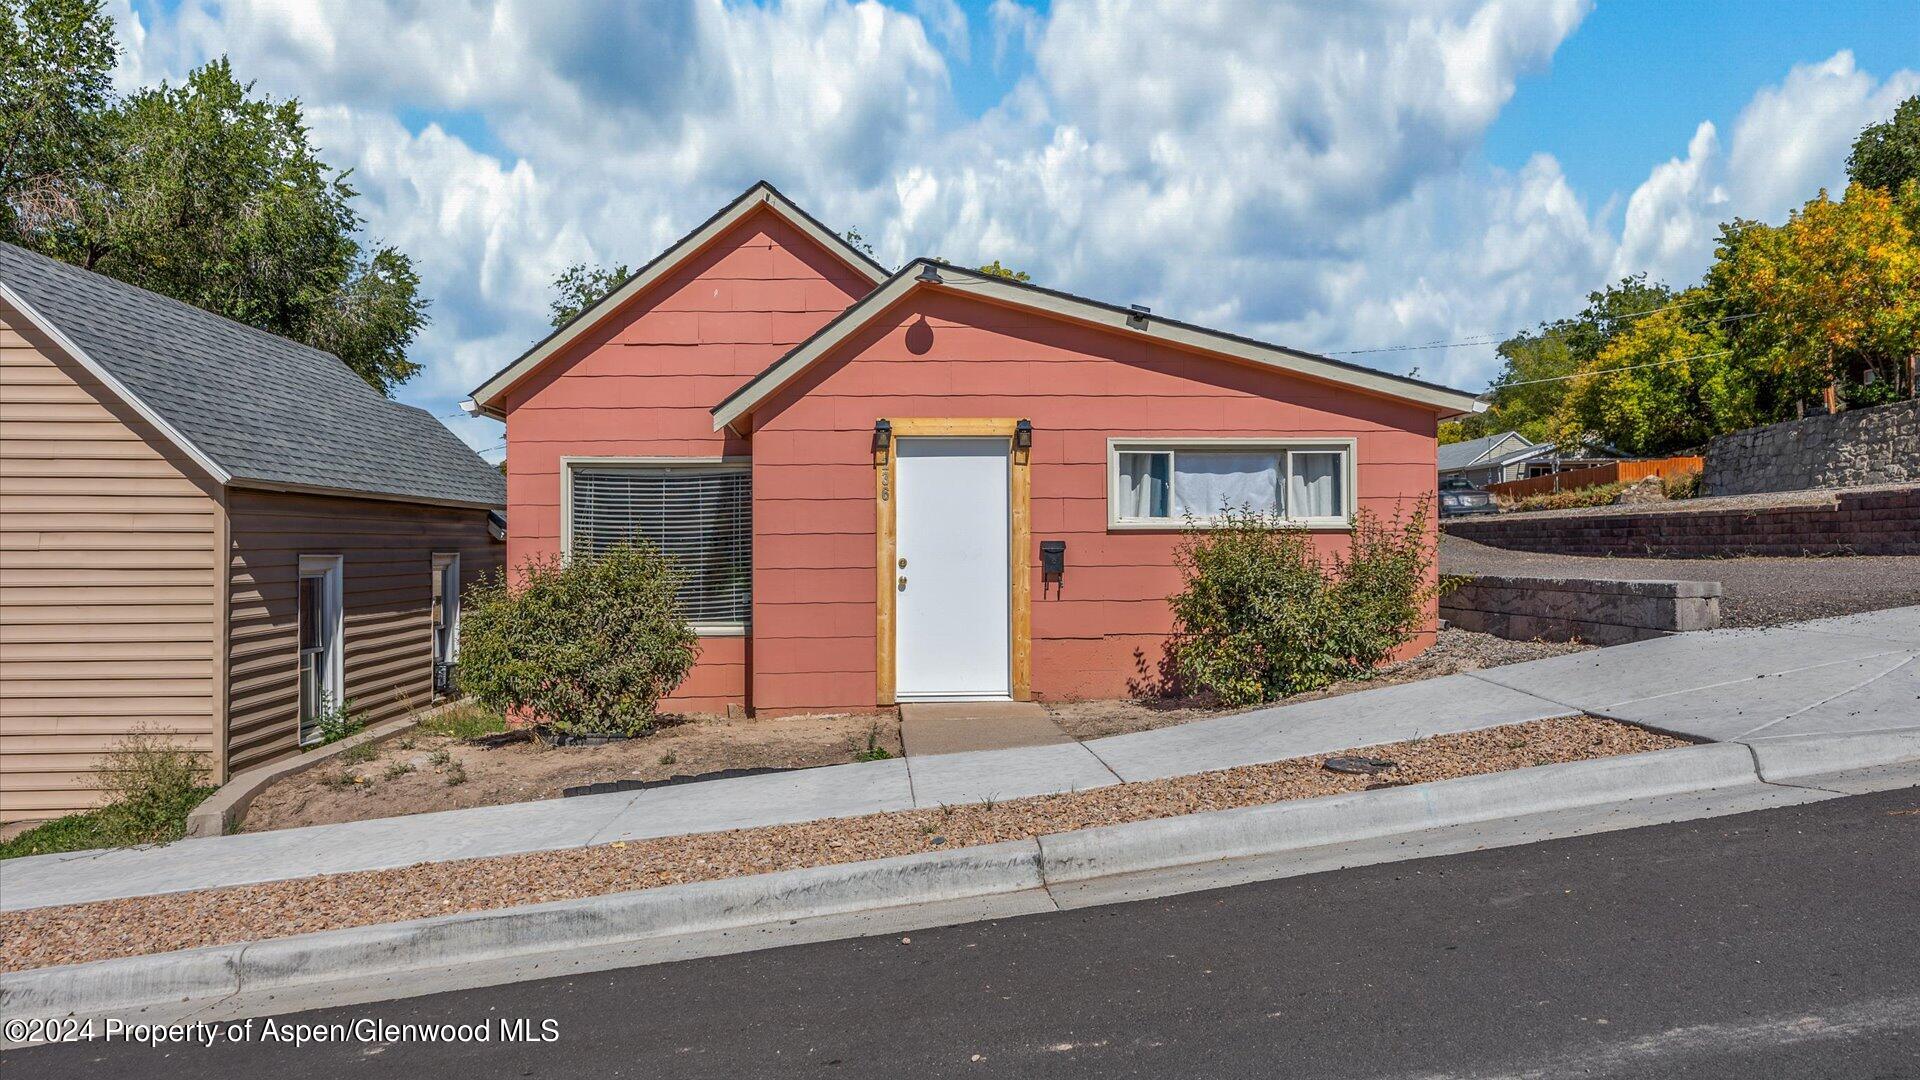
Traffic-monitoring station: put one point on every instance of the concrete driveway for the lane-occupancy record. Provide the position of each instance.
(1756, 591)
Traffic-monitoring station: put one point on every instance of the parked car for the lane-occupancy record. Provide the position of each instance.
(1458, 497)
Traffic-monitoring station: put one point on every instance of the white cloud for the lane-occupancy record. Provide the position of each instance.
(1790, 141)
(1303, 171)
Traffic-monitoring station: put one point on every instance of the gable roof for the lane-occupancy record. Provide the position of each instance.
(742, 401)
(761, 194)
(1462, 454)
(251, 408)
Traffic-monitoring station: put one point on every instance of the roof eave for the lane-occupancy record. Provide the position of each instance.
(487, 397)
(120, 390)
(742, 402)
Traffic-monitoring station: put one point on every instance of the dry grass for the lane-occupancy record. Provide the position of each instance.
(96, 931)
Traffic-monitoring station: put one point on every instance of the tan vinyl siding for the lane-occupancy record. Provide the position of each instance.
(387, 580)
(108, 582)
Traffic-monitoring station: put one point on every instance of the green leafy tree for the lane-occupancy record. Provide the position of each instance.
(1520, 398)
(1668, 382)
(994, 268)
(580, 286)
(1887, 155)
(1831, 295)
(203, 191)
(56, 59)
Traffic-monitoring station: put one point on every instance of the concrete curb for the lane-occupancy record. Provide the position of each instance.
(110, 986)
(225, 807)
(116, 987)
(1789, 757)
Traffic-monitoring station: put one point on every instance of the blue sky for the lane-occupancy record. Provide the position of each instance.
(1332, 176)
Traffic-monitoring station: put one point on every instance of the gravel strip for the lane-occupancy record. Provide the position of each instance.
(77, 933)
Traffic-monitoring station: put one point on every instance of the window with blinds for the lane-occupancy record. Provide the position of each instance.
(701, 516)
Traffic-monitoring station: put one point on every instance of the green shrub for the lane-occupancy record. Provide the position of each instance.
(1262, 615)
(588, 647)
(151, 784)
(1684, 485)
(1592, 495)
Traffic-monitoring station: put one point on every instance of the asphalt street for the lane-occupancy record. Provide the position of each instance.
(1783, 943)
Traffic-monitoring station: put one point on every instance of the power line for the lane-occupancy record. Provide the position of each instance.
(1609, 371)
(1493, 337)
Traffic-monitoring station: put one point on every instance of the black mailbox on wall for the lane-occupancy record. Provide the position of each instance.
(1053, 559)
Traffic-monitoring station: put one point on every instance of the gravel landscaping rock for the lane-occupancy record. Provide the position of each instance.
(1454, 651)
(77, 933)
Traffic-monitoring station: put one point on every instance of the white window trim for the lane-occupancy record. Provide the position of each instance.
(331, 569)
(1117, 446)
(727, 463)
(451, 559)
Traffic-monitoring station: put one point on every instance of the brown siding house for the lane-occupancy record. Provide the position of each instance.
(209, 532)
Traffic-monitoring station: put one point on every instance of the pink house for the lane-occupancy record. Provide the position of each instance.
(933, 484)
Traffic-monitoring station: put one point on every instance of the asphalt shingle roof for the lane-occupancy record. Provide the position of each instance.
(1462, 454)
(264, 408)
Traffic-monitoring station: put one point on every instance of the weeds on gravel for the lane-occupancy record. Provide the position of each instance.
(668, 758)
(439, 759)
(398, 769)
(456, 775)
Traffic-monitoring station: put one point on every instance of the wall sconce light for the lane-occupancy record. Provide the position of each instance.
(929, 274)
(1137, 316)
(882, 435)
(1023, 435)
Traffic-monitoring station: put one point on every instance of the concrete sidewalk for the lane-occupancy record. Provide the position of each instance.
(1791, 689)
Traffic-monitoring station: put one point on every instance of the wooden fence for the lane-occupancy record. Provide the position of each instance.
(1613, 472)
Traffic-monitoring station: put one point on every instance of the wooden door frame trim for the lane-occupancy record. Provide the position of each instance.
(1019, 541)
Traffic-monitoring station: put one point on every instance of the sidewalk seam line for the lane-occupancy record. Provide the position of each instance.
(1834, 697)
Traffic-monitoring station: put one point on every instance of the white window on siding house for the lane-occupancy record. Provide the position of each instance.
(698, 512)
(322, 626)
(1165, 483)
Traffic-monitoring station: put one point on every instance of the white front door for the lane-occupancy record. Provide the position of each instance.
(950, 576)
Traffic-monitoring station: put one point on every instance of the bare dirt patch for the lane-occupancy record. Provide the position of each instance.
(419, 772)
(77, 933)
(1454, 651)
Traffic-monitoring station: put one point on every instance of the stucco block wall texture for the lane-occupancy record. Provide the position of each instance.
(1855, 448)
(643, 384)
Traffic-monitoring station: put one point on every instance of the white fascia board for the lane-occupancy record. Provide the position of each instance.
(760, 194)
(1451, 402)
(115, 386)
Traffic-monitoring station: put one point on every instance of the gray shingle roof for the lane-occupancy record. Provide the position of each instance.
(263, 408)
(1462, 454)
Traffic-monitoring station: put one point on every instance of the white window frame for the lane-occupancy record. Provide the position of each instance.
(729, 463)
(442, 563)
(331, 683)
(1157, 445)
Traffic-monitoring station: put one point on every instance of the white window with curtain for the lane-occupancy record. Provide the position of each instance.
(1167, 483)
(699, 511)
